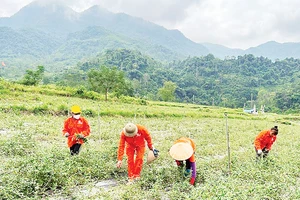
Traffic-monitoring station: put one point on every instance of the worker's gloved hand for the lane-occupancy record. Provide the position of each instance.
(155, 152)
(179, 163)
(80, 136)
(66, 134)
(187, 172)
(119, 163)
(192, 181)
(266, 150)
(259, 152)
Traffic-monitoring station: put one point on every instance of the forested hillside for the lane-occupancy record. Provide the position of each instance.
(58, 36)
(28, 43)
(204, 80)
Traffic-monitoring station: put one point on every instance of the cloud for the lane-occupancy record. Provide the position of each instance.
(9, 7)
(167, 12)
(287, 21)
(235, 23)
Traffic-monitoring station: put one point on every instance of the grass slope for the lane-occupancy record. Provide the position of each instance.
(36, 162)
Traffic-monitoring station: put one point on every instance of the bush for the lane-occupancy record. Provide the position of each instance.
(91, 95)
(18, 109)
(63, 110)
(89, 113)
(41, 109)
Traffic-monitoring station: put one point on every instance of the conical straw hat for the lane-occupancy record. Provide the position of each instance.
(181, 151)
(150, 157)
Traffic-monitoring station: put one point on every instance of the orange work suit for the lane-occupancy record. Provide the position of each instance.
(76, 126)
(264, 140)
(135, 146)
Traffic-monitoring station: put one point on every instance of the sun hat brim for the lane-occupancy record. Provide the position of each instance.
(181, 151)
(130, 134)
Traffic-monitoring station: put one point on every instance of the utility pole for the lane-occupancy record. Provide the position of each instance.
(228, 144)
(99, 127)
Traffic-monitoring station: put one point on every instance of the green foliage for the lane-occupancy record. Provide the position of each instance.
(40, 173)
(106, 79)
(16, 109)
(132, 100)
(21, 144)
(206, 80)
(89, 113)
(92, 95)
(288, 99)
(63, 109)
(43, 109)
(33, 77)
(167, 92)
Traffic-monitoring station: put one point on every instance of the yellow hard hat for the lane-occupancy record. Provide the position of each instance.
(75, 109)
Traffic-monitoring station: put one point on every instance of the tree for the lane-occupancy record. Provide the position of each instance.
(167, 92)
(107, 79)
(33, 77)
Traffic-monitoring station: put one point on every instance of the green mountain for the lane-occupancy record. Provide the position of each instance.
(137, 28)
(221, 51)
(272, 50)
(95, 39)
(26, 43)
(275, 50)
(53, 18)
(89, 33)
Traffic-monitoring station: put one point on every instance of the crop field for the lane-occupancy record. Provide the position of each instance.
(35, 160)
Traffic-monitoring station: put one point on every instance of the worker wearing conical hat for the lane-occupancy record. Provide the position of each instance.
(184, 150)
(133, 138)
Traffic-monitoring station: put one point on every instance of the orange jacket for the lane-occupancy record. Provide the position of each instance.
(264, 140)
(191, 142)
(73, 127)
(138, 141)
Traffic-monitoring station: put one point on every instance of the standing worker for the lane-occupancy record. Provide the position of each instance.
(184, 150)
(133, 137)
(264, 141)
(76, 129)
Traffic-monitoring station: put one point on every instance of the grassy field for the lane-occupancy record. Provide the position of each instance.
(36, 162)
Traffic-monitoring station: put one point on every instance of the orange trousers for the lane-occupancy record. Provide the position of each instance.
(135, 161)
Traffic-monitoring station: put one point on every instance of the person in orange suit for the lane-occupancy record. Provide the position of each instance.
(264, 141)
(184, 150)
(133, 138)
(76, 129)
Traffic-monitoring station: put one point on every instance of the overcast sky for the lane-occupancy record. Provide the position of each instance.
(232, 23)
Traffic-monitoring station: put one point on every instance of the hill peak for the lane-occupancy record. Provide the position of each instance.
(44, 6)
(96, 8)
